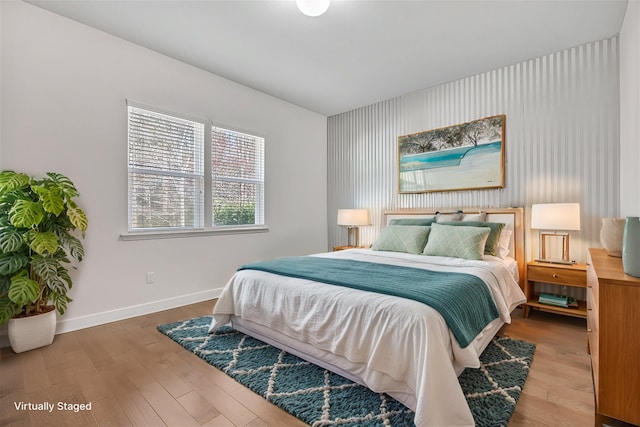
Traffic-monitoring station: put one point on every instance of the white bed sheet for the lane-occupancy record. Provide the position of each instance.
(398, 346)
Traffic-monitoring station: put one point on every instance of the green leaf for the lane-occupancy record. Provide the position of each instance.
(42, 243)
(58, 295)
(5, 282)
(23, 290)
(26, 214)
(7, 310)
(60, 282)
(10, 180)
(65, 278)
(51, 197)
(12, 263)
(7, 200)
(60, 301)
(10, 239)
(61, 256)
(72, 244)
(77, 217)
(45, 267)
(57, 286)
(64, 183)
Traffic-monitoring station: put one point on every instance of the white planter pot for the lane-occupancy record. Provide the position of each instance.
(27, 333)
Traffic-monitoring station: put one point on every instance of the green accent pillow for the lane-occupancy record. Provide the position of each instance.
(402, 238)
(412, 221)
(491, 247)
(457, 242)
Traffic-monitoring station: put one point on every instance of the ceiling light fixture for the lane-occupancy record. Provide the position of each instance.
(313, 7)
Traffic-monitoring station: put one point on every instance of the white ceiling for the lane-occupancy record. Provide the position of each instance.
(359, 52)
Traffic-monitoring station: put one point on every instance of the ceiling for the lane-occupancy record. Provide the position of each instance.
(359, 52)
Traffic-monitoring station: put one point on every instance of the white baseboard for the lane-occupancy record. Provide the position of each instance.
(82, 322)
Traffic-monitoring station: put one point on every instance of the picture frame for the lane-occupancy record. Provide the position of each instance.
(465, 156)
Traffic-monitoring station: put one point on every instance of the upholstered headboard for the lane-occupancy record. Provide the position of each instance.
(513, 218)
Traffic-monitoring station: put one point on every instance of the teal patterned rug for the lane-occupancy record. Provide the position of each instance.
(321, 398)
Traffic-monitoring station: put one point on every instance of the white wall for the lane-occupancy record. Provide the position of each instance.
(562, 142)
(630, 111)
(63, 109)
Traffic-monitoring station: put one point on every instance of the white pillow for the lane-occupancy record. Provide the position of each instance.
(448, 217)
(482, 216)
(504, 243)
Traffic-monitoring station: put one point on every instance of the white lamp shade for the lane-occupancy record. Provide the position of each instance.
(313, 7)
(556, 216)
(353, 217)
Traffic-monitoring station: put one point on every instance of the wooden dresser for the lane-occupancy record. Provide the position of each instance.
(613, 325)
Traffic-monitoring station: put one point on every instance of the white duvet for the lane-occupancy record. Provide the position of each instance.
(398, 346)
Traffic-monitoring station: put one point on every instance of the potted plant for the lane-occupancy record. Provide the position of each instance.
(40, 230)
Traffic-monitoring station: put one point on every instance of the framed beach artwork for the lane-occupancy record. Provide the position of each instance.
(466, 156)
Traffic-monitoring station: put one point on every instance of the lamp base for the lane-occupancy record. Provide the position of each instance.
(550, 251)
(353, 236)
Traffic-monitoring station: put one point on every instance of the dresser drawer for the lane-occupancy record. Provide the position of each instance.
(563, 276)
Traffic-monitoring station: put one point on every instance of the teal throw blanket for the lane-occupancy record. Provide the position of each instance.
(462, 299)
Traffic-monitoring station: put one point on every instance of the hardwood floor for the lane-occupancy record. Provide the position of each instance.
(134, 376)
(559, 389)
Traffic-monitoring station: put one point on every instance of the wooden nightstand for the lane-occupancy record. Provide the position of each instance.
(555, 274)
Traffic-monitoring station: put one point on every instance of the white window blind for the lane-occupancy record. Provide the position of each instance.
(237, 175)
(166, 171)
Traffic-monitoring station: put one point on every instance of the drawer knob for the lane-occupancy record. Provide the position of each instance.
(555, 276)
(589, 330)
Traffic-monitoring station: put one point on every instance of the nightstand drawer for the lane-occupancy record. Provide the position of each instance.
(563, 276)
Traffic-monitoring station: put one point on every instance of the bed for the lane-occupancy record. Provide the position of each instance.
(389, 343)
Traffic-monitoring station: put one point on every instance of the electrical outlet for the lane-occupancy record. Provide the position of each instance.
(151, 277)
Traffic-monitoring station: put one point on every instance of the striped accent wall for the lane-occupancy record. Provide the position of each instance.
(562, 142)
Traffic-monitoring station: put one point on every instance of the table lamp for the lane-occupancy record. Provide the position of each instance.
(353, 218)
(554, 220)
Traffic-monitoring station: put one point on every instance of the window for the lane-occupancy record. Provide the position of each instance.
(168, 178)
(166, 171)
(237, 171)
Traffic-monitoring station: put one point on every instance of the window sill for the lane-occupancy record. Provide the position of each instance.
(152, 235)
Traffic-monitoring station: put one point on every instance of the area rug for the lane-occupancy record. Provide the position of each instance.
(321, 398)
